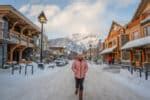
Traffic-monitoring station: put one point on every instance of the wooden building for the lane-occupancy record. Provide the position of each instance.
(18, 35)
(57, 51)
(138, 31)
(112, 44)
(91, 53)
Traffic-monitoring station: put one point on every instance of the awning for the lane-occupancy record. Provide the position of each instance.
(108, 50)
(137, 43)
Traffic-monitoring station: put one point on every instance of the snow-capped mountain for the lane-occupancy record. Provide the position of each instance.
(85, 39)
(76, 42)
(66, 43)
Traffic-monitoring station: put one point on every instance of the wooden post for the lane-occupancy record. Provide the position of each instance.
(20, 56)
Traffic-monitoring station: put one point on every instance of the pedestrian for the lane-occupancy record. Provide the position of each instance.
(110, 60)
(80, 68)
(113, 60)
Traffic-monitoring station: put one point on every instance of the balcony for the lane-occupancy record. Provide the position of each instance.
(30, 42)
(21, 39)
(14, 38)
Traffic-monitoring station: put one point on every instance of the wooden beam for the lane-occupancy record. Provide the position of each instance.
(14, 24)
(22, 30)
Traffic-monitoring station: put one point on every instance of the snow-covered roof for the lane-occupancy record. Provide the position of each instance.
(108, 50)
(145, 20)
(137, 43)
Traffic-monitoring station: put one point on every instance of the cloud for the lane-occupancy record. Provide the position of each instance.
(80, 16)
(24, 8)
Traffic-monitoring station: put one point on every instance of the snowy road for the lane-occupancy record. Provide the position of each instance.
(59, 85)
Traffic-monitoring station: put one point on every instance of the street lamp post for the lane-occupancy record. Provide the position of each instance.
(98, 46)
(42, 19)
(90, 51)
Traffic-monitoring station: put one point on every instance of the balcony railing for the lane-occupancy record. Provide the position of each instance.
(31, 42)
(14, 38)
(22, 39)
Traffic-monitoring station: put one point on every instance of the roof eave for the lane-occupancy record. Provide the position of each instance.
(19, 14)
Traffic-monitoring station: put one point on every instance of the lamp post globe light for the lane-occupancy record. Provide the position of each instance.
(42, 19)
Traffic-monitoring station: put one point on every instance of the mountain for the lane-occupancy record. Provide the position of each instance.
(85, 39)
(66, 43)
(76, 42)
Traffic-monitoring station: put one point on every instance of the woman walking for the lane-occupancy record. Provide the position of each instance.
(80, 68)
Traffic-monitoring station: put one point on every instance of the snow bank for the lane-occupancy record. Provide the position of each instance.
(134, 82)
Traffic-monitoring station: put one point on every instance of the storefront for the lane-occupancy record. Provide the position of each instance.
(137, 57)
(147, 53)
(15, 35)
(108, 54)
(139, 51)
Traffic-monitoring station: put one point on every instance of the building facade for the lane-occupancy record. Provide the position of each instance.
(112, 43)
(18, 35)
(138, 33)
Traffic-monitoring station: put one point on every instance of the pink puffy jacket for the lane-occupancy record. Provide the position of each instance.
(80, 68)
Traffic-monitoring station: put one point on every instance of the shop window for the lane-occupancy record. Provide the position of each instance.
(137, 55)
(125, 55)
(147, 31)
(148, 55)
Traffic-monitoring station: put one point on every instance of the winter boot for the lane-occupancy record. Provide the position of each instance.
(76, 91)
(81, 95)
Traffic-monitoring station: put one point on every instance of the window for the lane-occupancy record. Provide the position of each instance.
(137, 55)
(124, 39)
(1, 29)
(105, 45)
(125, 55)
(110, 45)
(147, 31)
(148, 55)
(135, 35)
(1, 25)
(114, 42)
(115, 28)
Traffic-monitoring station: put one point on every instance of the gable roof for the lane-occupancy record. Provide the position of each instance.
(113, 23)
(140, 8)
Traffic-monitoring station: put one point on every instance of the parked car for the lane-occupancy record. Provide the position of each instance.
(66, 61)
(61, 62)
(51, 65)
(98, 62)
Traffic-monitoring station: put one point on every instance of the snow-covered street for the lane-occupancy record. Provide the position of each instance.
(58, 84)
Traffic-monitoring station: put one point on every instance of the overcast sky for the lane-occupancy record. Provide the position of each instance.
(66, 17)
